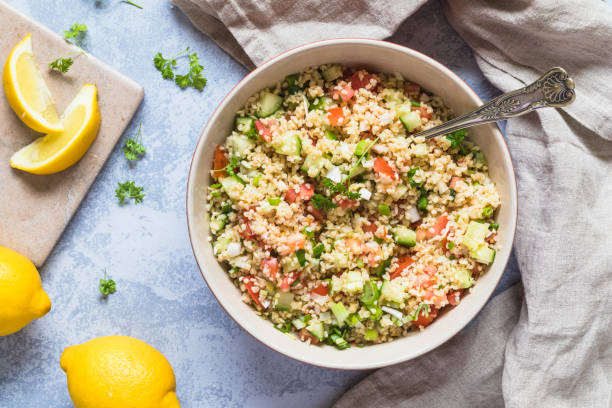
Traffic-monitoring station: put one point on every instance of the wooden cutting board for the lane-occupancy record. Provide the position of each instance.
(34, 210)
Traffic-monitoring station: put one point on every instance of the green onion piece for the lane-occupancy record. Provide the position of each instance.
(318, 250)
(487, 211)
(415, 103)
(331, 135)
(370, 293)
(494, 225)
(453, 193)
(383, 266)
(450, 245)
(384, 209)
(371, 335)
(353, 319)
(274, 201)
(301, 256)
(285, 327)
(422, 202)
(256, 181)
(375, 312)
(452, 257)
(361, 147)
(378, 240)
(360, 263)
(216, 193)
(339, 342)
(215, 186)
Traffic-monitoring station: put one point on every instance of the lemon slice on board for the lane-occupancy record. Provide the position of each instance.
(27, 92)
(58, 151)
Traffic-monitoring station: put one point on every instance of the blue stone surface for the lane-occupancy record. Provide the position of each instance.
(161, 297)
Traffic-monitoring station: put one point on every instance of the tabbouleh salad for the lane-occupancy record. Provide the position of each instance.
(336, 224)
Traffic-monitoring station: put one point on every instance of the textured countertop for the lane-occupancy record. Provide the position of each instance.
(161, 297)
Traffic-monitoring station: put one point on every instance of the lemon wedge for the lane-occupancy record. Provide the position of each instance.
(27, 92)
(58, 151)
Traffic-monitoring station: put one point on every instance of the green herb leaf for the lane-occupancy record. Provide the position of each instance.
(453, 193)
(322, 202)
(487, 211)
(127, 190)
(76, 32)
(301, 256)
(61, 64)
(192, 78)
(384, 209)
(107, 286)
(318, 250)
(133, 148)
(494, 225)
(456, 138)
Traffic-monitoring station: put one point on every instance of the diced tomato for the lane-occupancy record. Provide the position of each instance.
(249, 284)
(423, 319)
(366, 135)
(336, 116)
(306, 191)
(220, 161)
(269, 266)
(346, 203)
(288, 280)
(369, 227)
(412, 90)
(246, 233)
(321, 290)
(438, 300)
(296, 241)
(291, 196)
(374, 253)
(430, 270)
(403, 262)
(382, 167)
(422, 110)
(317, 213)
(454, 297)
(354, 245)
(304, 335)
(361, 79)
(424, 280)
(438, 226)
(454, 181)
(265, 130)
(343, 94)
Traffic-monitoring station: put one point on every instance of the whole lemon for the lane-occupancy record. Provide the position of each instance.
(22, 298)
(118, 372)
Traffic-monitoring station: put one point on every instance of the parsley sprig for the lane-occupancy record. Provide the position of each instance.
(456, 138)
(127, 190)
(107, 286)
(76, 32)
(61, 64)
(341, 189)
(230, 168)
(133, 148)
(192, 78)
(321, 202)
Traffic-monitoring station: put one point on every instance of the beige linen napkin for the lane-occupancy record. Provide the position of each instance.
(557, 350)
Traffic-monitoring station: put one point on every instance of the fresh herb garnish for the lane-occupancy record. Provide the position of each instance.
(61, 64)
(453, 193)
(456, 138)
(227, 208)
(422, 201)
(301, 256)
(321, 202)
(132, 3)
(133, 148)
(310, 234)
(384, 209)
(494, 225)
(193, 78)
(76, 32)
(285, 327)
(487, 211)
(274, 201)
(422, 306)
(107, 286)
(318, 250)
(360, 159)
(127, 190)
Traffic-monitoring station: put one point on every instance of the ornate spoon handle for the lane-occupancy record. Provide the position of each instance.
(553, 89)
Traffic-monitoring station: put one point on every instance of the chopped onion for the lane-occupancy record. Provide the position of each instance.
(233, 249)
(365, 193)
(393, 312)
(335, 175)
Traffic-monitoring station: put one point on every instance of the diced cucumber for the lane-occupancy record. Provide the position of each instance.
(290, 144)
(246, 125)
(483, 254)
(289, 263)
(340, 312)
(358, 170)
(464, 278)
(332, 73)
(420, 150)
(475, 235)
(371, 335)
(392, 96)
(217, 223)
(241, 145)
(282, 301)
(298, 324)
(221, 244)
(320, 102)
(393, 312)
(371, 293)
(361, 147)
(392, 291)
(480, 157)
(268, 104)
(404, 236)
(411, 120)
(353, 282)
(314, 164)
(339, 259)
(233, 186)
(400, 192)
(316, 329)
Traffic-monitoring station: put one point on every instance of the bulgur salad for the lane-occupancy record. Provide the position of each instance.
(335, 223)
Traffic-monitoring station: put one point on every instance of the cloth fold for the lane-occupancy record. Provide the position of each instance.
(553, 348)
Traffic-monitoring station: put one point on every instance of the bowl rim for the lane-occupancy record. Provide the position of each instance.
(322, 43)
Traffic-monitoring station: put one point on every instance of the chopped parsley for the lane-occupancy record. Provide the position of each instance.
(321, 202)
(133, 148)
(318, 250)
(487, 211)
(61, 64)
(76, 32)
(301, 256)
(127, 190)
(107, 286)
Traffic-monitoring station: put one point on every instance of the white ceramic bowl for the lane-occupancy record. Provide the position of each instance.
(377, 56)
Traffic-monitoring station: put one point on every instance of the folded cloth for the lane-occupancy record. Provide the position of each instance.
(558, 350)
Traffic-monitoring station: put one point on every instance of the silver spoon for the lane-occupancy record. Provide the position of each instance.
(553, 89)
